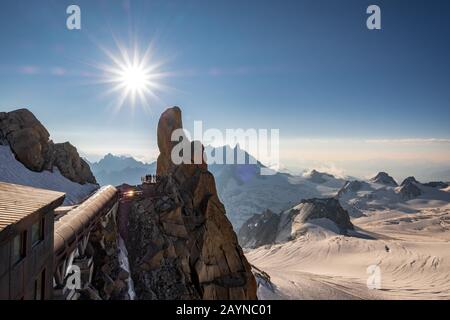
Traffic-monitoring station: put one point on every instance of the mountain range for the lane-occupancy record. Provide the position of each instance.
(241, 187)
(115, 170)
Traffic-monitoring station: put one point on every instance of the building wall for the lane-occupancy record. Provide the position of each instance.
(4, 270)
(18, 281)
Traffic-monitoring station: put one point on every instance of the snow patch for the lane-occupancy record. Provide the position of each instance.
(125, 265)
(13, 171)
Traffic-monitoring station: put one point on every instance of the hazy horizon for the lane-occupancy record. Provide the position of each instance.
(357, 169)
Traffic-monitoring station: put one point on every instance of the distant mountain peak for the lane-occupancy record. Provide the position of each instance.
(318, 177)
(385, 179)
(409, 189)
(351, 186)
(237, 155)
(409, 180)
(111, 158)
(115, 170)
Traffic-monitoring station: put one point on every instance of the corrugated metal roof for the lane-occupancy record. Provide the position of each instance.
(18, 202)
(79, 221)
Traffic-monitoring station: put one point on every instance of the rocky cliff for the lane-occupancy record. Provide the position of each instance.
(181, 244)
(269, 228)
(259, 230)
(30, 142)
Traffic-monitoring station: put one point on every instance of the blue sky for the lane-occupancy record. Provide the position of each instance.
(310, 68)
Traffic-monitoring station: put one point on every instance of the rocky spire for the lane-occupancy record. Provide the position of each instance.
(169, 121)
(182, 245)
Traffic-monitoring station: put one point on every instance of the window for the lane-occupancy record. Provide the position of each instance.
(39, 286)
(37, 232)
(19, 247)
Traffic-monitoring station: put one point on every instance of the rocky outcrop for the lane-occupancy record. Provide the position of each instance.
(30, 142)
(408, 180)
(70, 164)
(351, 187)
(385, 179)
(27, 137)
(409, 190)
(259, 230)
(277, 228)
(263, 279)
(181, 245)
(169, 121)
(328, 208)
(111, 280)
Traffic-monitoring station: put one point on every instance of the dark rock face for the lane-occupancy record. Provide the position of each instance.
(110, 279)
(409, 190)
(384, 178)
(263, 278)
(28, 138)
(180, 243)
(409, 180)
(259, 230)
(70, 164)
(29, 141)
(329, 208)
(265, 228)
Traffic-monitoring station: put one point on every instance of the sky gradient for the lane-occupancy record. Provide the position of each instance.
(344, 98)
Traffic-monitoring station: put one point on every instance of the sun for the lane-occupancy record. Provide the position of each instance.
(136, 78)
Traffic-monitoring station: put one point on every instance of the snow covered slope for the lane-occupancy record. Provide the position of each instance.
(245, 193)
(13, 171)
(362, 198)
(410, 254)
(401, 233)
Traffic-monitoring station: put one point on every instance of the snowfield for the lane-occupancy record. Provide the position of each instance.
(12, 171)
(411, 251)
